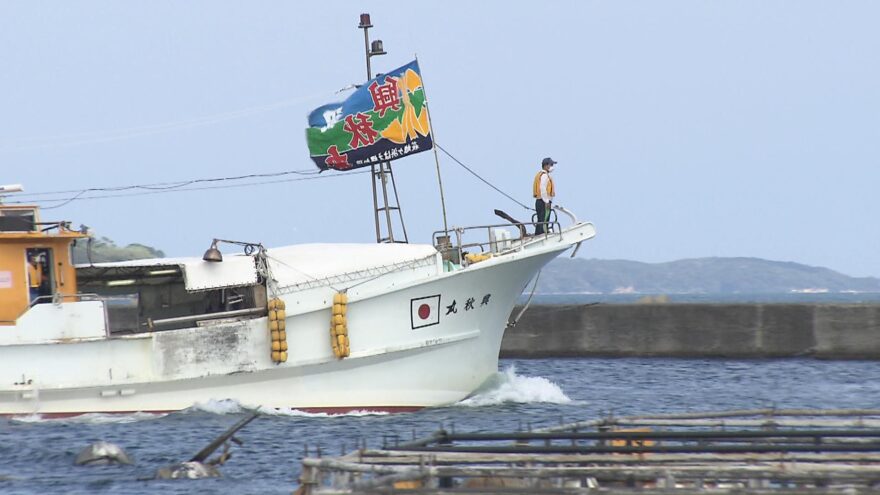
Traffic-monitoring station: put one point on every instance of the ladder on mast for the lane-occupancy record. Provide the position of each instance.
(381, 174)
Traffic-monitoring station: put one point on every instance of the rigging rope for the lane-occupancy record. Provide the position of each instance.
(172, 185)
(181, 186)
(456, 160)
(78, 197)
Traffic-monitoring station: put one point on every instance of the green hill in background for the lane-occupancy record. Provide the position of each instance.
(695, 276)
(104, 249)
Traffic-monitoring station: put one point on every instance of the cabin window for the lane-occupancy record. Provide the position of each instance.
(40, 275)
(18, 220)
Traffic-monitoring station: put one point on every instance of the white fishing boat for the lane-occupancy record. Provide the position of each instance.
(163, 334)
(319, 327)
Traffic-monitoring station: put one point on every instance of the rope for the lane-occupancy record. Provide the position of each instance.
(394, 267)
(456, 160)
(172, 185)
(276, 260)
(78, 197)
(69, 200)
(511, 324)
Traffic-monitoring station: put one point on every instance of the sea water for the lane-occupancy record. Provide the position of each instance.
(36, 454)
(731, 298)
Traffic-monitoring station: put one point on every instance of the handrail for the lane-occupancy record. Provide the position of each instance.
(58, 298)
(567, 212)
(551, 228)
(152, 324)
(63, 225)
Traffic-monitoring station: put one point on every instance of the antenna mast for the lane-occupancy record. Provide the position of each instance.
(381, 172)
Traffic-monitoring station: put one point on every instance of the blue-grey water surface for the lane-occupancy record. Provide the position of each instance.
(730, 298)
(36, 455)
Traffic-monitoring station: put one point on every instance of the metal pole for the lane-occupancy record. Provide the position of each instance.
(399, 209)
(436, 157)
(384, 170)
(375, 202)
(367, 51)
(366, 28)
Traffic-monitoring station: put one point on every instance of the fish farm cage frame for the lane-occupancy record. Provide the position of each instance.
(779, 451)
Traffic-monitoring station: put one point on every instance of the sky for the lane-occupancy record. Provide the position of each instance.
(682, 129)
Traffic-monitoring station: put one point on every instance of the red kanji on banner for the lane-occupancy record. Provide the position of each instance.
(362, 131)
(385, 96)
(335, 160)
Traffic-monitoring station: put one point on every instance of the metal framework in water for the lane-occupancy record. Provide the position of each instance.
(743, 452)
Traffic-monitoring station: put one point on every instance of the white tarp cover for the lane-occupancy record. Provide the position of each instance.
(301, 263)
(235, 270)
(290, 265)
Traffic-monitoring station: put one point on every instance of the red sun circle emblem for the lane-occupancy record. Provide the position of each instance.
(424, 311)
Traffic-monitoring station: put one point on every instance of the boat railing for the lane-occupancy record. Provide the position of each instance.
(222, 315)
(58, 298)
(454, 247)
(63, 226)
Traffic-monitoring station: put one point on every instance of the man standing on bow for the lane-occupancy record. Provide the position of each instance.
(543, 191)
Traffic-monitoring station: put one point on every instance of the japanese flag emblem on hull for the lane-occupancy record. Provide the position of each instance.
(425, 311)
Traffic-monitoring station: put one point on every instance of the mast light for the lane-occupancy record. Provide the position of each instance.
(365, 21)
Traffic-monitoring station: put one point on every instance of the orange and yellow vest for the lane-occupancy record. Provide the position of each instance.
(536, 187)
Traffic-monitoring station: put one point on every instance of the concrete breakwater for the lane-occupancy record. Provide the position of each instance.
(834, 331)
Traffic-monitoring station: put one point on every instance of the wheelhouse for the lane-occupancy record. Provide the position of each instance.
(36, 262)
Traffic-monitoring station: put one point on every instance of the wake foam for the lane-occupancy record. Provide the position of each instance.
(219, 407)
(303, 414)
(508, 387)
(91, 418)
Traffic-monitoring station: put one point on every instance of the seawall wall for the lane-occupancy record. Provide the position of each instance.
(844, 331)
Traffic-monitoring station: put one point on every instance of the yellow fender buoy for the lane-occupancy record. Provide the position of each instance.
(339, 325)
(277, 317)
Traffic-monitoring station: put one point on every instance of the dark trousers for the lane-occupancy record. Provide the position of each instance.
(543, 215)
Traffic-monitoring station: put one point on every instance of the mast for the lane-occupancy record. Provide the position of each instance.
(381, 173)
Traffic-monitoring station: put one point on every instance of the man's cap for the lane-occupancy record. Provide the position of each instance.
(547, 161)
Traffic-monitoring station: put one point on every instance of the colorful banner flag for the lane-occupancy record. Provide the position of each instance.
(383, 120)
